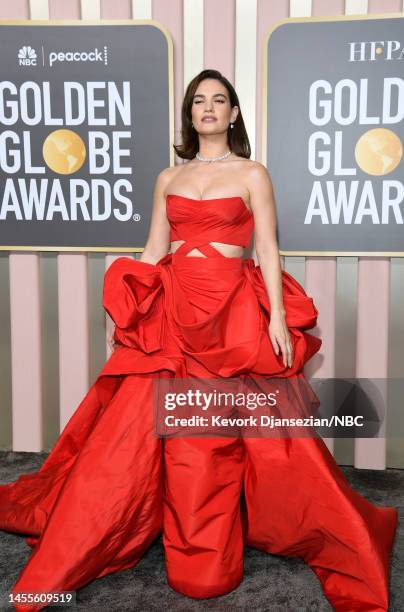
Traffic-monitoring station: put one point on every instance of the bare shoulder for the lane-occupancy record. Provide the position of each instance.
(258, 179)
(167, 175)
(259, 184)
(258, 172)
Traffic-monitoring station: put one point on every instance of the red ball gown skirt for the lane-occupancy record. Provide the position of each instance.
(110, 485)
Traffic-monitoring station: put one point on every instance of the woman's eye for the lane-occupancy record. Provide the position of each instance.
(199, 101)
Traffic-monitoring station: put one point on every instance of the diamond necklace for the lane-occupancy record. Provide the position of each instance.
(212, 159)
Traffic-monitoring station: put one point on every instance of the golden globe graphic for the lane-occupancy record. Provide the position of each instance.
(64, 151)
(378, 152)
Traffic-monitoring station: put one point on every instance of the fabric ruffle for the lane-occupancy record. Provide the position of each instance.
(153, 315)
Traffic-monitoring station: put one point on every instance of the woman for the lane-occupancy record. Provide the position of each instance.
(194, 308)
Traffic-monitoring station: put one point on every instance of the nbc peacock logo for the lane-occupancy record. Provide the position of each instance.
(27, 56)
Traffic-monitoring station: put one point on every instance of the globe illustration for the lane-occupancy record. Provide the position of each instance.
(64, 151)
(378, 152)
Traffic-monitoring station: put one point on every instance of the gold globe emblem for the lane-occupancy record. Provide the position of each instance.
(64, 151)
(378, 152)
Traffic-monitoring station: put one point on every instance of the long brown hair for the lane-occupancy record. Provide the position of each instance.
(237, 138)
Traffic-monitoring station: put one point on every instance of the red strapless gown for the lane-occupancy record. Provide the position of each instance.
(109, 485)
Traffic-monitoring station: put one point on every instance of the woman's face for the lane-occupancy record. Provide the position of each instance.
(211, 110)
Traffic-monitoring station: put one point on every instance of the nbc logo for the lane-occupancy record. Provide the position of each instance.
(27, 56)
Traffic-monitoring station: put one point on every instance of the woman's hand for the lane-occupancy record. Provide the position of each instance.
(280, 337)
(111, 341)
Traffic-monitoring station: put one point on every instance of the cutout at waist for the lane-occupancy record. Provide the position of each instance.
(205, 249)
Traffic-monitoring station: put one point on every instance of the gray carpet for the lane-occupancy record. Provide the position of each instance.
(271, 582)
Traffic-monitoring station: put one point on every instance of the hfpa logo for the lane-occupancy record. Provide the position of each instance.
(27, 56)
(371, 50)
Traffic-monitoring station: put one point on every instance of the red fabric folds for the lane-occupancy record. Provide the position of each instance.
(109, 485)
(162, 308)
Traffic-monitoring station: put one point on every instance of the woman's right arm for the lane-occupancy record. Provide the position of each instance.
(158, 241)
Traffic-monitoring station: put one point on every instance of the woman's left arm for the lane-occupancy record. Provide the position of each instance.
(263, 206)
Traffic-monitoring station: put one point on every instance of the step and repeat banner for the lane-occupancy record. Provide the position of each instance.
(86, 125)
(333, 134)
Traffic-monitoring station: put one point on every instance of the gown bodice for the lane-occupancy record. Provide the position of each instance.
(199, 222)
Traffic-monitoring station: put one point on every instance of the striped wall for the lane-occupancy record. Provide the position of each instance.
(53, 330)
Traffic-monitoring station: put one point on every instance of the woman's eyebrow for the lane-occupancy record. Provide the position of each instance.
(214, 95)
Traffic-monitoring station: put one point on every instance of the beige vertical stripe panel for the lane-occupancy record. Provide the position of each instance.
(39, 9)
(300, 8)
(246, 64)
(90, 9)
(141, 9)
(193, 39)
(320, 284)
(356, 7)
(26, 355)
